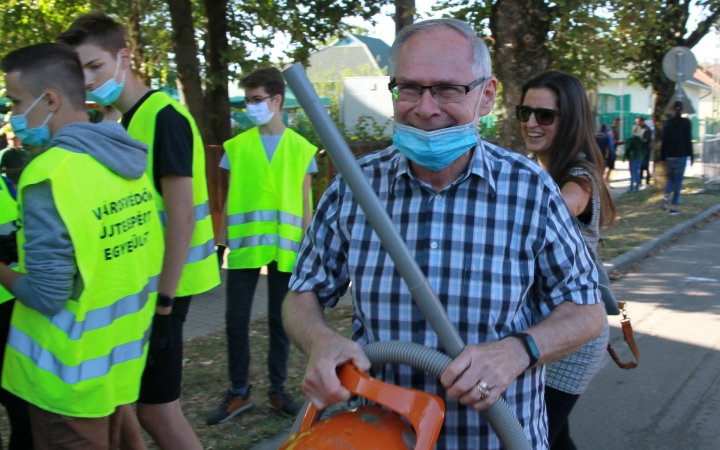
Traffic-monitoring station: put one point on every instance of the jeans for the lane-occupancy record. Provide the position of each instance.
(635, 174)
(675, 171)
(240, 291)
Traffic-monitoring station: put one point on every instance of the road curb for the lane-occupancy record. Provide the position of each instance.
(629, 258)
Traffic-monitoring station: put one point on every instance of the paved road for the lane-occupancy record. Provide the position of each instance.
(672, 400)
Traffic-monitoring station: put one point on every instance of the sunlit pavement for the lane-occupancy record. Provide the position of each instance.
(671, 400)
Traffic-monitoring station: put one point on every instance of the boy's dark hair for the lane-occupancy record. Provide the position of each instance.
(97, 28)
(268, 77)
(44, 66)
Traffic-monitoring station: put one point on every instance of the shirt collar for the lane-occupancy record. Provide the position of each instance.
(479, 166)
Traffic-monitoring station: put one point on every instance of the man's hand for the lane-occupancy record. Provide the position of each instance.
(495, 363)
(162, 336)
(321, 383)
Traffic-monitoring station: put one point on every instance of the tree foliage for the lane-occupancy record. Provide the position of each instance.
(643, 33)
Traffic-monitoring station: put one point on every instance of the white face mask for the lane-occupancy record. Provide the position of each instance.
(259, 114)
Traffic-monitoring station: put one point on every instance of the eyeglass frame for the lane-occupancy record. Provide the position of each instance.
(257, 101)
(553, 114)
(468, 87)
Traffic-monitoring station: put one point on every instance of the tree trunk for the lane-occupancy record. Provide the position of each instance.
(404, 14)
(217, 97)
(188, 67)
(520, 29)
(136, 44)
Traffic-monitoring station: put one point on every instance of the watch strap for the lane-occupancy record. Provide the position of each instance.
(530, 347)
(164, 301)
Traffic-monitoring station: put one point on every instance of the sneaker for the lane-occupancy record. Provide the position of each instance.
(674, 212)
(283, 402)
(665, 203)
(232, 406)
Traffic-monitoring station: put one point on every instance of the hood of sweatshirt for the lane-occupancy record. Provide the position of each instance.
(108, 143)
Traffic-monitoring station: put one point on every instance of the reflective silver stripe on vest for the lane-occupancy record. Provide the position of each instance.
(86, 370)
(201, 211)
(200, 252)
(287, 244)
(7, 228)
(251, 241)
(103, 317)
(252, 216)
(290, 219)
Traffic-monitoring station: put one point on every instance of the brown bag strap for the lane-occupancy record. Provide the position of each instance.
(628, 337)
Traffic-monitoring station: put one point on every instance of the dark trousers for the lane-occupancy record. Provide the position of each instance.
(17, 408)
(559, 405)
(240, 290)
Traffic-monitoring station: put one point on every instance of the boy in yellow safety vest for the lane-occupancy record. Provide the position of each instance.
(268, 209)
(176, 167)
(89, 252)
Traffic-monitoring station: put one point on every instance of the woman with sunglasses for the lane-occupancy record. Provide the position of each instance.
(556, 124)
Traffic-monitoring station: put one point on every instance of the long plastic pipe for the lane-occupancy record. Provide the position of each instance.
(417, 283)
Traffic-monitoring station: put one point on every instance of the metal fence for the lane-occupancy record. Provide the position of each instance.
(711, 155)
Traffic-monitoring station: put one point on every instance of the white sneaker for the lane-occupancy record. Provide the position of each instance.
(665, 204)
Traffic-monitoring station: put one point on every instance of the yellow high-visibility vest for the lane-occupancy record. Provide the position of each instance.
(265, 201)
(201, 272)
(89, 358)
(8, 216)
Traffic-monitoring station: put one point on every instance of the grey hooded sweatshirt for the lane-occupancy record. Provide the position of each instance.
(52, 274)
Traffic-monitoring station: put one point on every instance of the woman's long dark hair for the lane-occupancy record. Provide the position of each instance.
(574, 144)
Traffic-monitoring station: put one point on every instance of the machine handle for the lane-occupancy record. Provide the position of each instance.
(424, 411)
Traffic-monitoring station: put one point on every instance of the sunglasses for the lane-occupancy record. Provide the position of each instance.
(543, 116)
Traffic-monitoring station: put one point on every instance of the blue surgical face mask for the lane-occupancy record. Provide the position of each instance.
(259, 114)
(110, 90)
(38, 136)
(434, 150)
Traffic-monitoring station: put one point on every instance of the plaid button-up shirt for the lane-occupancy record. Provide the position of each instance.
(498, 246)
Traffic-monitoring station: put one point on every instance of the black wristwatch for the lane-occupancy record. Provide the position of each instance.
(530, 347)
(164, 301)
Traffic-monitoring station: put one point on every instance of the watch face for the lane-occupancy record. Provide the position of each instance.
(531, 345)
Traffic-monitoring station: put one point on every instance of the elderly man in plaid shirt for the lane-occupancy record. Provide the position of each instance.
(489, 229)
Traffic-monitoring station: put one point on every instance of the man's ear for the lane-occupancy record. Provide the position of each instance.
(488, 99)
(54, 100)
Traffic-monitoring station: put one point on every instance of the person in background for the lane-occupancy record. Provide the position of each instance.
(176, 166)
(635, 152)
(85, 286)
(268, 209)
(14, 158)
(607, 149)
(675, 149)
(647, 138)
(615, 132)
(16, 408)
(462, 206)
(555, 104)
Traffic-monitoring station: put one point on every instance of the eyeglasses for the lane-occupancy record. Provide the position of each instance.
(543, 116)
(442, 93)
(256, 100)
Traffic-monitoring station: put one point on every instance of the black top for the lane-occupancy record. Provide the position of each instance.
(173, 144)
(14, 159)
(676, 139)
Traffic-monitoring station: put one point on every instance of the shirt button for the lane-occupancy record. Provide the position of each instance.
(427, 343)
(439, 196)
(433, 244)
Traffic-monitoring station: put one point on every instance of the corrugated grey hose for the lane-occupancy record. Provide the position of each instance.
(428, 360)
